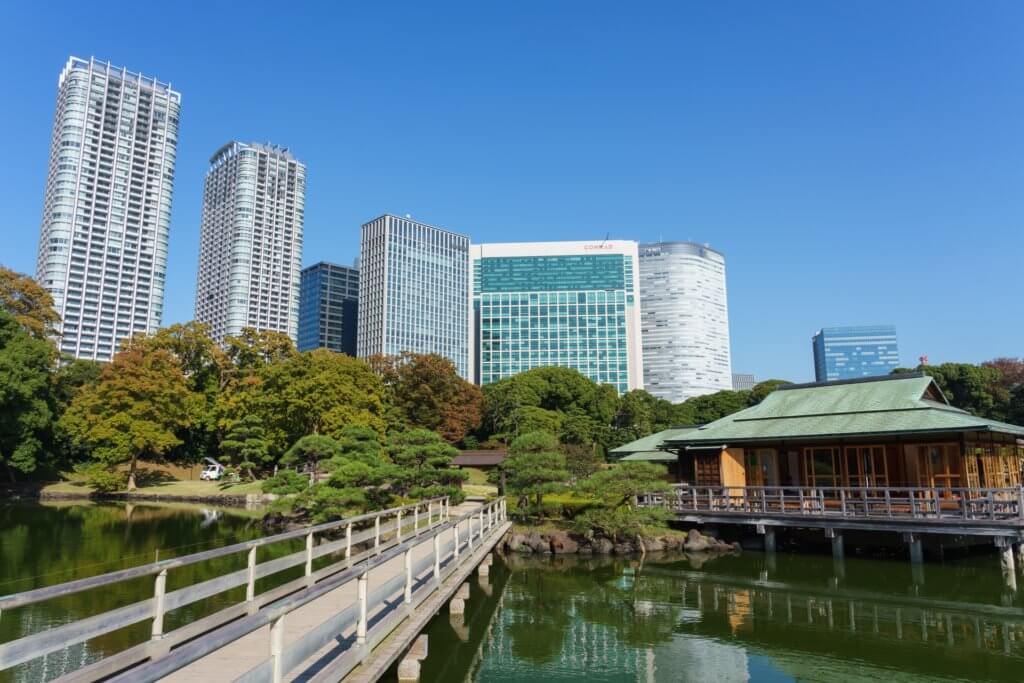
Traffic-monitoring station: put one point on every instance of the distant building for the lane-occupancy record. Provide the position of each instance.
(107, 207)
(413, 291)
(852, 352)
(565, 304)
(328, 308)
(685, 320)
(742, 382)
(250, 244)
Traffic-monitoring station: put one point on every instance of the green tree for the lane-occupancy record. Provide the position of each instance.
(26, 415)
(422, 465)
(312, 450)
(762, 389)
(534, 467)
(711, 407)
(245, 445)
(29, 304)
(619, 490)
(253, 349)
(975, 388)
(360, 478)
(425, 391)
(68, 382)
(317, 392)
(137, 409)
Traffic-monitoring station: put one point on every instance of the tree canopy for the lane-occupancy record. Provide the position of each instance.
(26, 412)
(29, 304)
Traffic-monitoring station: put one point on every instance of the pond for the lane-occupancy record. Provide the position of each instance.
(47, 543)
(730, 618)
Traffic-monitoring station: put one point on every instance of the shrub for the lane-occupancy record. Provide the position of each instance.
(285, 482)
(622, 522)
(101, 478)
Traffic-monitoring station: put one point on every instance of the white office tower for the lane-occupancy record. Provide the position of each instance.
(413, 291)
(685, 320)
(107, 208)
(250, 249)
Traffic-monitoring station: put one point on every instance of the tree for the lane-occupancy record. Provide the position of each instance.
(312, 450)
(137, 409)
(533, 468)
(711, 407)
(29, 304)
(68, 381)
(425, 391)
(317, 392)
(422, 465)
(762, 389)
(514, 405)
(26, 415)
(253, 349)
(977, 389)
(1011, 371)
(245, 445)
(581, 460)
(619, 490)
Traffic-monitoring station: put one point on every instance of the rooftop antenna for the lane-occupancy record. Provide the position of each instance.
(606, 236)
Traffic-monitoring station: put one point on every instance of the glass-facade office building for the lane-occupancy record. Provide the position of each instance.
(685, 320)
(328, 308)
(107, 208)
(413, 291)
(852, 352)
(566, 304)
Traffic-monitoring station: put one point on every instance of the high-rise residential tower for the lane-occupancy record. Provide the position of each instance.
(107, 207)
(329, 308)
(566, 304)
(685, 320)
(852, 352)
(413, 290)
(250, 246)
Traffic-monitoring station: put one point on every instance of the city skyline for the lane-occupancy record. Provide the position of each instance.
(919, 198)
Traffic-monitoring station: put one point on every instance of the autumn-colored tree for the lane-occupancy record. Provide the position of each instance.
(28, 302)
(317, 392)
(1011, 371)
(137, 409)
(425, 391)
(25, 396)
(252, 349)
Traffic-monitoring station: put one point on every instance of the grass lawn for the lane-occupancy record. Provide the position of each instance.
(477, 484)
(190, 489)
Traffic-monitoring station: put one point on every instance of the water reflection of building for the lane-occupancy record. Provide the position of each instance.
(689, 659)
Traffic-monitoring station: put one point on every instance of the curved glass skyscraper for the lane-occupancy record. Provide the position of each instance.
(684, 320)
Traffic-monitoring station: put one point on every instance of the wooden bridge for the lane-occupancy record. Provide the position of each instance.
(995, 514)
(385, 575)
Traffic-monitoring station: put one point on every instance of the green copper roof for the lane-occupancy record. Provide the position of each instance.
(647, 447)
(894, 404)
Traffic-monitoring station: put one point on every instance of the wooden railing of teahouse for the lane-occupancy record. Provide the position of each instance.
(366, 542)
(857, 502)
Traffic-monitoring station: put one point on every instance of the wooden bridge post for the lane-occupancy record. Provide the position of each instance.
(408, 576)
(416, 520)
(398, 525)
(455, 535)
(277, 648)
(376, 535)
(481, 526)
(469, 533)
(309, 555)
(159, 591)
(361, 583)
(250, 584)
(430, 514)
(348, 543)
(437, 558)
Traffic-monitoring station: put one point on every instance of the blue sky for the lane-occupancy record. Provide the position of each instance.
(857, 162)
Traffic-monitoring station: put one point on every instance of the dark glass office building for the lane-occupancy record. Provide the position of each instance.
(328, 308)
(852, 352)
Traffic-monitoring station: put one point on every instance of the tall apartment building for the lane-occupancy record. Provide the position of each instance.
(566, 304)
(250, 246)
(685, 320)
(107, 207)
(329, 308)
(743, 381)
(852, 352)
(413, 290)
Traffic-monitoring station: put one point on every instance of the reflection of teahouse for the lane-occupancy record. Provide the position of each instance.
(896, 430)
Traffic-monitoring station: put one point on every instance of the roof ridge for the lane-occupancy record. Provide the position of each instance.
(917, 374)
(845, 412)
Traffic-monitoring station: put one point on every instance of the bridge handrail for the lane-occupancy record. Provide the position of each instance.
(887, 502)
(275, 612)
(78, 585)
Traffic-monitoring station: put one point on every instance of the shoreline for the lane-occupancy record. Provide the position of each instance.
(239, 500)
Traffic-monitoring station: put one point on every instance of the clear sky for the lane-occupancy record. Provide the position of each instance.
(857, 162)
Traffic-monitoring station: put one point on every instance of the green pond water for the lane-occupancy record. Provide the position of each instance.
(603, 619)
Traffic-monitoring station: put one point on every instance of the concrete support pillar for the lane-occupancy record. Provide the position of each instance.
(916, 550)
(1007, 563)
(768, 534)
(409, 667)
(837, 544)
(1019, 551)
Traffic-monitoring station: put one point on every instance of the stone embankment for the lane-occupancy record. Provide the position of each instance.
(560, 542)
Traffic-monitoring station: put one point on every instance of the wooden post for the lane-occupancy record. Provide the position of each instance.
(481, 526)
(430, 514)
(437, 558)
(277, 648)
(309, 554)
(250, 585)
(408, 576)
(455, 534)
(416, 520)
(159, 590)
(361, 597)
(348, 543)
(398, 526)
(469, 533)
(376, 534)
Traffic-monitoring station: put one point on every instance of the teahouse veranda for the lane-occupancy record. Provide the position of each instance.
(879, 432)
